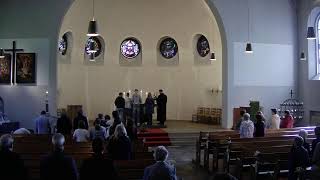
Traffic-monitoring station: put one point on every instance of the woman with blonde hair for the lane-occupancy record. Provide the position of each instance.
(119, 146)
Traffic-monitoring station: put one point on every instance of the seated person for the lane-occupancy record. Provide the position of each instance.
(57, 165)
(161, 170)
(119, 145)
(315, 169)
(21, 131)
(247, 127)
(97, 163)
(317, 140)
(298, 158)
(259, 126)
(304, 134)
(98, 131)
(107, 122)
(81, 134)
(11, 166)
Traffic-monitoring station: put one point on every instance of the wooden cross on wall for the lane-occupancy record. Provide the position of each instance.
(14, 51)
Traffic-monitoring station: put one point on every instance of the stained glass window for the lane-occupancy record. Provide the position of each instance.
(203, 46)
(93, 47)
(63, 44)
(168, 48)
(130, 48)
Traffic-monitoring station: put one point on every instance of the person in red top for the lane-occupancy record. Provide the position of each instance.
(287, 121)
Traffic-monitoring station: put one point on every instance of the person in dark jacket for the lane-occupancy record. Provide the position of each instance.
(119, 145)
(315, 141)
(97, 164)
(57, 165)
(259, 126)
(161, 107)
(80, 117)
(120, 103)
(64, 125)
(298, 158)
(116, 121)
(161, 170)
(149, 108)
(131, 130)
(11, 165)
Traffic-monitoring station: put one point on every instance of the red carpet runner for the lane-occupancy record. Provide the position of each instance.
(154, 137)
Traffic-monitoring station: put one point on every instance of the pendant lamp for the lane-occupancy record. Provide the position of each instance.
(213, 57)
(249, 49)
(93, 25)
(303, 56)
(311, 35)
(2, 53)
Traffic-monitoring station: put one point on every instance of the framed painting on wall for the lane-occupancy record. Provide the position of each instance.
(25, 68)
(5, 69)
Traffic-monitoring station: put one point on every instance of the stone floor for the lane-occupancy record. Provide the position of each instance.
(182, 156)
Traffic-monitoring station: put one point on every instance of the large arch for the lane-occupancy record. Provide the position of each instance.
(225, 94)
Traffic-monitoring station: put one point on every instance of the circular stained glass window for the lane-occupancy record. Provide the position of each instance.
(203, 46)
(93, 47)
(63, 45)
(130, 48)
(168, 48)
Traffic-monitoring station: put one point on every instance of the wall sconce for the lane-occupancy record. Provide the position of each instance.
(216, 90)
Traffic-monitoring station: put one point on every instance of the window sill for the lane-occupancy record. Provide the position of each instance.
(316, 77)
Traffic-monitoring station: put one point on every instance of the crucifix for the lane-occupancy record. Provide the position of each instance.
(14, 51)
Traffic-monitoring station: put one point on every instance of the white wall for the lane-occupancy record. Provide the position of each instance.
(308, 88)
(273, 23)
(22, 102)
(187, 84)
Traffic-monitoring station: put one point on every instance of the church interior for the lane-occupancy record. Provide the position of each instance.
(227, 89)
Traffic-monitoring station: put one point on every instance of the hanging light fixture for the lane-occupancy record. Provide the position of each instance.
(303, 56)
(93, 25)
(249, 45)
(2, 53)
(213, 57)
(311, 35)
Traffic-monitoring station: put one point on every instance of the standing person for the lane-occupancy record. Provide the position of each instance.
(149, 108)
(242, 112)
(57, 165)
(64, 125)
(161, 107)
(93, 167)
(80, 117)
(275, 119)
(287, 121)
(128, 107)
(246, 127)
(136, 102)
(259, 126)
(11, 166)
(43, 124)
(120, 104)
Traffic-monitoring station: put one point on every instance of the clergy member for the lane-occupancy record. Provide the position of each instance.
(161, 107)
